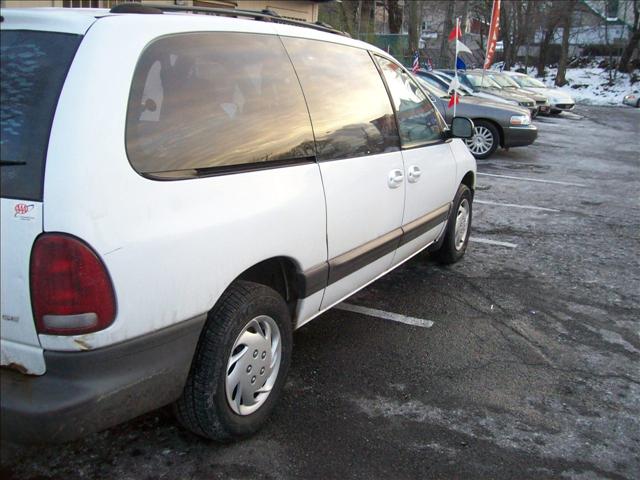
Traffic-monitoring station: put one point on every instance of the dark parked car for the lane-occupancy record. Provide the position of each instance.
(496, 124)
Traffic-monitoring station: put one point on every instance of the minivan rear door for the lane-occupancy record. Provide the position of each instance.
(34, 65)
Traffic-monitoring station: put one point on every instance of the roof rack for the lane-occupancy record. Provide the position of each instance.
(264, 15)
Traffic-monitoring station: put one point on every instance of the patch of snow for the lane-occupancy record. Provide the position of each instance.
(590, 85)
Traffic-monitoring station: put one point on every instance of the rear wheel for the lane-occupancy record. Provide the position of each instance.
(458, 228)
(485, 140)
(240, 365)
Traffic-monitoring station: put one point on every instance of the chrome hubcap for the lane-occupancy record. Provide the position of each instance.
(481, 142)
(253, 365)
(462, 224)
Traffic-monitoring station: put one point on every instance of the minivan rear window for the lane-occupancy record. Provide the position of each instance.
(209, 103)
(33, 67)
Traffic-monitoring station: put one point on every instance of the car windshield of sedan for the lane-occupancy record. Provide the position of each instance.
(482, 81)
(504, 81)
(525, 81)
(462, 89)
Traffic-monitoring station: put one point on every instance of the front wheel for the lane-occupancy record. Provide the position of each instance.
(458, 228)
(485, 140)
(240, 365)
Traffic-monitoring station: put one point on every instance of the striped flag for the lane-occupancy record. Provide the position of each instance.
(416, 63)
(455, 33)
(462, 47)
(453, 101)
(492, 40)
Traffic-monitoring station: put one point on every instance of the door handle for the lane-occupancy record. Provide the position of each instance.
(395, 178)
(414, 174)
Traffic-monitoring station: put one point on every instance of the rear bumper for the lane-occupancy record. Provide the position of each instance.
(519, 136)
(85, 392)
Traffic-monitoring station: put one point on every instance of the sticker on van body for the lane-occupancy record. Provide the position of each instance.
(23, 211)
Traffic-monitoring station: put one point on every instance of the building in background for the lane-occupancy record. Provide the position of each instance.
(303, 10)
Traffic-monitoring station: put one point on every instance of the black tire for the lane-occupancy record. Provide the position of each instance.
(555, 113)
(495, 135)
(638, 103)
(448, 253)
(203, 407)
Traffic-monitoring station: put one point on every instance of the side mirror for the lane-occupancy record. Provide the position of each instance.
(462, 127)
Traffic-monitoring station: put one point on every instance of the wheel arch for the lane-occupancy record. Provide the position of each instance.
(281, 274)
(495, 124)
(469, 180)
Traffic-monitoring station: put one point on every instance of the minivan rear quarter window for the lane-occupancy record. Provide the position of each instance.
(33, 67)
(209, 103)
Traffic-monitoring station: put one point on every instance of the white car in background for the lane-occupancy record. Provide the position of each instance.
(560, 101)
(632, 99)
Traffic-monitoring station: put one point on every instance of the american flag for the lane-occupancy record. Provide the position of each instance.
(416, 63)
(429, 64)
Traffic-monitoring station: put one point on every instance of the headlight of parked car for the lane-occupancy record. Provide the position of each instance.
(520, 120)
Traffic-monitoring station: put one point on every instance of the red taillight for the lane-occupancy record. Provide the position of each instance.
(71, 292)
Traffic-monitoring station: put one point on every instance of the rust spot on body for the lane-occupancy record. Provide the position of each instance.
(82, 344)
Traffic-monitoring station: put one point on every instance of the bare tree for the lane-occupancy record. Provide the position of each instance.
(367, 16)
(566, 21)
(413, 21)
(342, 16)
(634, 40)
(394, 9)
(506, 31)
(530, 23)
(550, 11)
(443, 61)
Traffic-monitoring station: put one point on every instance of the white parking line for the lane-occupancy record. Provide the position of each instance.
(538, 180)
(492, 242)
(396, 317)
(514, 205)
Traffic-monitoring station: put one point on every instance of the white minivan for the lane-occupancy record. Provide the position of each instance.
(181, 191)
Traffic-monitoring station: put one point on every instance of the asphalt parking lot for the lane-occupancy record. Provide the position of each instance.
(526, 363)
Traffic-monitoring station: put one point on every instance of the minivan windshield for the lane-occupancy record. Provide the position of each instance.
(33, 67)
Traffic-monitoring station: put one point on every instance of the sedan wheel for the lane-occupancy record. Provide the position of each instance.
(485, 140)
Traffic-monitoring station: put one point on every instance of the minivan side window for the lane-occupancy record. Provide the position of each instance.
(208, 103)
(349, 105)
(419, 123)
